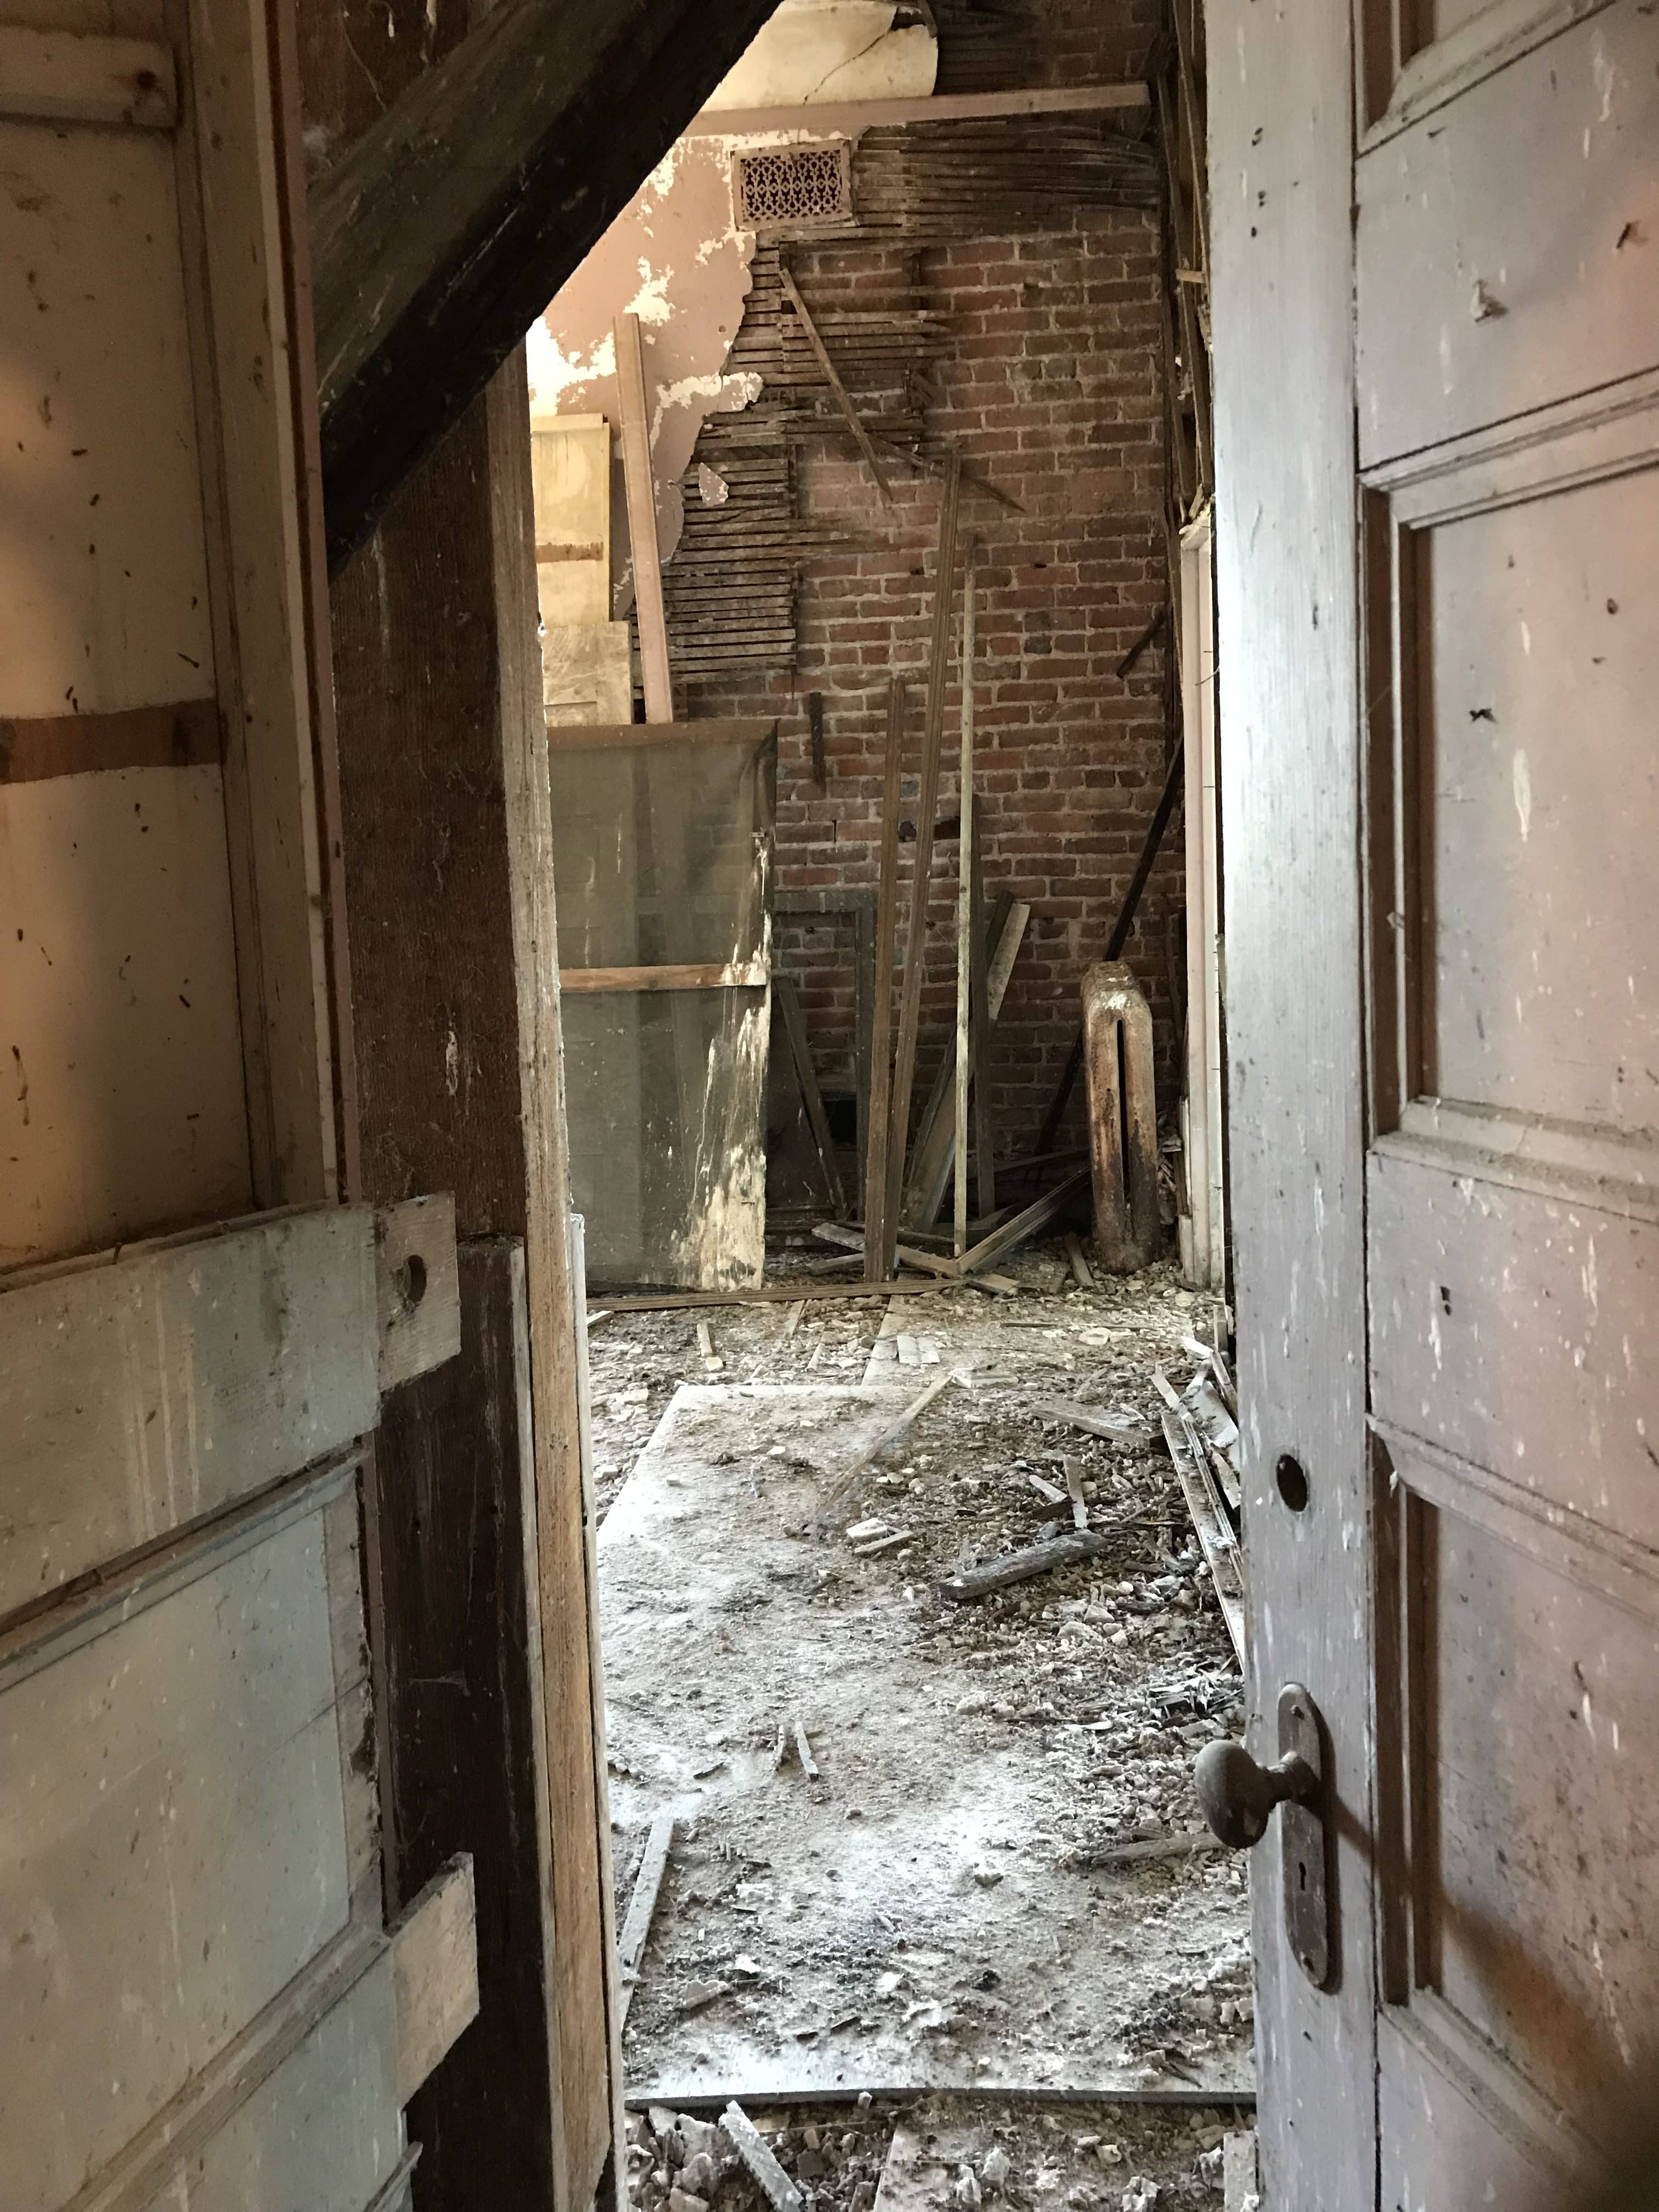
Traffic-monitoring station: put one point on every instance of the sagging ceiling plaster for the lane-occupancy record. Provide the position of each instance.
(675, 259)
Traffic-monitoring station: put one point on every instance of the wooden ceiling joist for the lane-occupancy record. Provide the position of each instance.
(443, 232)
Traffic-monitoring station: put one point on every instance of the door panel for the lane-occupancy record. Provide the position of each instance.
(1510, 437)
(1492, 282)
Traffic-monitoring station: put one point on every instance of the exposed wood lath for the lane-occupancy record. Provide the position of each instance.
(731, 588)
(1020, 173)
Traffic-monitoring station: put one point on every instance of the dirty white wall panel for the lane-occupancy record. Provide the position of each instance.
(674, 258)
(570, 475)
(121, 1097)
(172, 1850)
(103, 562)
(140, 1395)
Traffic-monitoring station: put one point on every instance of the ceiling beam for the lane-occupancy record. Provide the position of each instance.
(445, 228)
(843, 117)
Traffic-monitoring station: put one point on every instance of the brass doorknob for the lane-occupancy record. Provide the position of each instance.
(1236, 1794)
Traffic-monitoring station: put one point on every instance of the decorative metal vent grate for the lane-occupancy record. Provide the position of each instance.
(794, 187)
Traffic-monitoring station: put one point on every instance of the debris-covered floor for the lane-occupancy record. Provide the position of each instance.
(941, 1906)
(914, 2156)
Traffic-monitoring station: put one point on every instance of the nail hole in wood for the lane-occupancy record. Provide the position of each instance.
(411, 1282)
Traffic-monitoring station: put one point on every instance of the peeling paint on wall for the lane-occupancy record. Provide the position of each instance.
(675, 259)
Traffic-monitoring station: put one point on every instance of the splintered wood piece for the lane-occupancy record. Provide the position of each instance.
(1048, 1491)
(808, 1766)
(889, 1435)
(1082, 1273)
(643, 521)
(930, 1165)
(881, 1221)
(706, 1346)
(1040, 1214)
(1216, 1539)
(843, 399)
(993, 1575)
(642, 1905)
(787, 999)
(1143, 1849)
(915, 945)
(1093, 1423)
(795, 1314)
(774, 2185)
(1074, 1492)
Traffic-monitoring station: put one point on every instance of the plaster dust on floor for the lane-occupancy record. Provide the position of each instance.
(926, 1914)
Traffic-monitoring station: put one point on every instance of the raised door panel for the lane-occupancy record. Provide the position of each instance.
(143, 1393)
(173, 1842)
(1491, 282)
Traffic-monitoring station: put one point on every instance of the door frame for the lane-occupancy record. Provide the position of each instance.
(1282, 257)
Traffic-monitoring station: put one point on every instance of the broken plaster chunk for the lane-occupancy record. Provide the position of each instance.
(966, 2190)
(996, 2167)
(862, 1532)
(681, 2200)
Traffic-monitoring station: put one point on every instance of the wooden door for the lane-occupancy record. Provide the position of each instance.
(200, 2007)
(1437, 331)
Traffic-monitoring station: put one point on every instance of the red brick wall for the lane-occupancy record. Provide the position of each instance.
(1051, 383)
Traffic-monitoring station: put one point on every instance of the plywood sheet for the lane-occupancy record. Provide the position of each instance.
(121, 1091)
(172, 1851)
(137, 1394)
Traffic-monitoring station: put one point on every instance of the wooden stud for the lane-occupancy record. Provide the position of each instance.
(966, 962)
(643, 521)
(880, 1216)
(706, 975)
(904, 1063)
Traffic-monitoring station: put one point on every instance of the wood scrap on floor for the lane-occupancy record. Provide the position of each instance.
(1095, 1425)
(895, 1433)
(1216, 1537)
(642, 1905)
(781, 2193)
(984, 1581)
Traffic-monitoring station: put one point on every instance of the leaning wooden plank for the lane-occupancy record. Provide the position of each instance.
(144, 1389)
(881, 1222)
(993, 1575)
(642, 1905)
(642, 520)
(65, 76)
(767, 1294)
(930, 1170)
(787, 999)
(417, 1287)
(1142, 1851)
(1043, 1213)
(781, 2193)
(836, 1496)
(434, 1972)
(985, 1156)
(915, 947)
(839, 391)
(1214, 1531)
(966, 962)
(1082, 1273)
